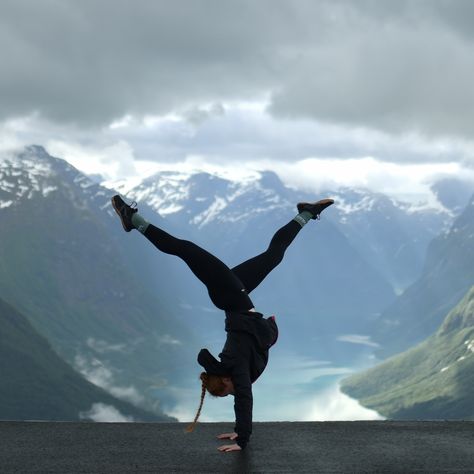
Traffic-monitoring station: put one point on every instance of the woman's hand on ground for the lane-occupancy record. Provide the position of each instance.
(231, 436)
(229, 447)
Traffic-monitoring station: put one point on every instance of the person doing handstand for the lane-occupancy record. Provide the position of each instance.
(249, 335)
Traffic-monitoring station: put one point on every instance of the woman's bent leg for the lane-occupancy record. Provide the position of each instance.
(225, 289)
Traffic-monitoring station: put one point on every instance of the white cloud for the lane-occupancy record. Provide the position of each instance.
(98, 374)
(103, 347)
(330, 98)
(129, 394)
(302, 401)
(333, 405)
(102, 413)
(404, 181)
(167, 339)
(246, 139)
(111, 161)
(357, 339)
(386, 65)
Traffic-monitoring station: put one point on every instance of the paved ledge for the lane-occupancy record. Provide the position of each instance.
(352, 447)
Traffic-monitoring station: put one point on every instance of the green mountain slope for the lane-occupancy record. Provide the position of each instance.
(447, 275)
(432, 380)
(62, 266)
(36, 384)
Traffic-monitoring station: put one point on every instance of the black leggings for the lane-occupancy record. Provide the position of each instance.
(228, 288)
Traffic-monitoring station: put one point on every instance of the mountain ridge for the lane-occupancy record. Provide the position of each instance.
(431, 380)
(30, 366)
(62, 265)
(389, 234)
(447, 274)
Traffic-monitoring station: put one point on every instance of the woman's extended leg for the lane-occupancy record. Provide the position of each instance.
(253, 271)
(225, 289)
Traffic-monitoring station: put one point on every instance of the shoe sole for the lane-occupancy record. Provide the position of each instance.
(120, 215)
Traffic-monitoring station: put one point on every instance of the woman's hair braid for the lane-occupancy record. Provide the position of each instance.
(204, 378)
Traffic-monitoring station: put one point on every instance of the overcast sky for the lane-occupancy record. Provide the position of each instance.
(362, 91)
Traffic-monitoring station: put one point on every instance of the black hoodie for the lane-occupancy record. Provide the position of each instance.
(243, 358)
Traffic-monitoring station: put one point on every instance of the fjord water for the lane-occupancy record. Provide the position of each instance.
(299, 383)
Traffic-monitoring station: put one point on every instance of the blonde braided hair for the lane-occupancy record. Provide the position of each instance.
(214, 385)
(204, 378)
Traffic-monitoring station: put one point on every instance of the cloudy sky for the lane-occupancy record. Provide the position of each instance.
(375, 93)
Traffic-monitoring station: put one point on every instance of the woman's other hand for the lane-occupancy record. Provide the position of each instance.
(229, 447)
(230, 436)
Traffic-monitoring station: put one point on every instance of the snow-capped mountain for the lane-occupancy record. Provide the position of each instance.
(203, 198)
(391, 235)
(34, 174)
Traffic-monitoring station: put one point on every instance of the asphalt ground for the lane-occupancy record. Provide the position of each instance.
(310, 447)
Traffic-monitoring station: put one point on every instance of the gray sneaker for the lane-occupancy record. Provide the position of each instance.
(124, 211)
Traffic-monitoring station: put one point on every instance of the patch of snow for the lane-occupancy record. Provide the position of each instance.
(171, 209)
(25, 174)
(48, 190)
(86, 183)
(239, 190)
(445, 368)
(123, 186)
(4, 204)
(366, 204)
(210, 213)
(433, 205)
(6, 186)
